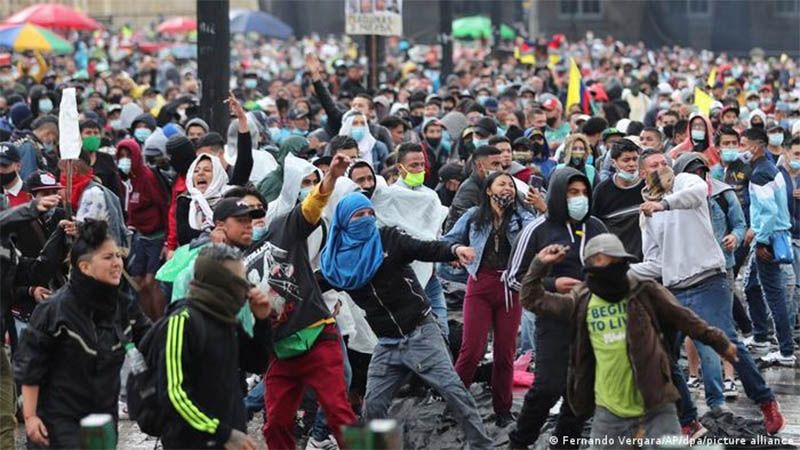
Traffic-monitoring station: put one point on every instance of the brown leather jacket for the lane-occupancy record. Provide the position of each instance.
(654, 316)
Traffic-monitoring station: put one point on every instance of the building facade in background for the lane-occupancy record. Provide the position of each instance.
(735, 26)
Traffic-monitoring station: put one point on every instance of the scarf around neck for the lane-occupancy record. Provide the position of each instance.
(216, 290)
(79, 183)
(98, 297)
(201, 215)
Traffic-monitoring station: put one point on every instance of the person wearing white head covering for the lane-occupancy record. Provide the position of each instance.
(355, 125)
(205, 184)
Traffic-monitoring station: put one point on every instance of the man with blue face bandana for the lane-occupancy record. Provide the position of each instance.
(373, 266)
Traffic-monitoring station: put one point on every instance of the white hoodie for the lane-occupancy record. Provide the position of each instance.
(679, 245)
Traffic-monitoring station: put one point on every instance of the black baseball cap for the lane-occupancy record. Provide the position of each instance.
(297, 114)
(235, 207)
(41, 181)
(9, 153)
(486, 127)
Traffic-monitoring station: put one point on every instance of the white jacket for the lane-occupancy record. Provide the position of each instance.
(678, 244)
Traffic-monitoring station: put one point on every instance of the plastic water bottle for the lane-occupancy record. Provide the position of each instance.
(138, 365)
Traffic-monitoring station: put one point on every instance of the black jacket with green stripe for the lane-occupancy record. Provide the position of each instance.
(200, 379)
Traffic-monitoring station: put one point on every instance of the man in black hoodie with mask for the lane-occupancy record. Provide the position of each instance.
(568, 223)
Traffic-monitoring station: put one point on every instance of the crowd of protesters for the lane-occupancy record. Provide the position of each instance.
(311, 243)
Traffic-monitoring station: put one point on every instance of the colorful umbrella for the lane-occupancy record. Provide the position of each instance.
(245, 21)
(31, 37)
(54, 15)
(177, 25)
(479, 27)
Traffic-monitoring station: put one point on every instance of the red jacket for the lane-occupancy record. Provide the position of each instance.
(147, 204)
(178, 188)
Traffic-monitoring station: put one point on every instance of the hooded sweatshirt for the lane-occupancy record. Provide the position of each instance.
(711, 152)
(147, 205)
(555, 228)
(270, 187)
(671, 239)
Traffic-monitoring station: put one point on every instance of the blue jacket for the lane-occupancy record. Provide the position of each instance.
(728, 221)
(793, 203)
(769, 209)
(466, 233)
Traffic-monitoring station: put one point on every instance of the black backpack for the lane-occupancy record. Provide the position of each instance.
(144, 398)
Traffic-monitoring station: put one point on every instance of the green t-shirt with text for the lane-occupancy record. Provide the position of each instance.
(614, 385)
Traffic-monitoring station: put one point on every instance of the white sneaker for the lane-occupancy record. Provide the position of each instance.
(694, 383)
(758, 345)
(776, 358)
(729, 389)
(327, 444)
(748, 341)
(122, 411)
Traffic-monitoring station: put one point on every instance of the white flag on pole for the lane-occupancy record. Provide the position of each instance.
(69, 135)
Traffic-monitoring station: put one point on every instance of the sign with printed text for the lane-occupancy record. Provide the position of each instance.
(379, 17)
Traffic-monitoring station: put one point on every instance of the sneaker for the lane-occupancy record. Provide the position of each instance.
(695, 430)
(730, 390)
(775, 358)
(505, 419)
(748, 341)
(759, 345)
(773, 419)
(328, 443)
(693, 383)
(122, 411)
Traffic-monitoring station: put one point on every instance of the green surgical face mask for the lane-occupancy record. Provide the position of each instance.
(91, 143)
(414, 179)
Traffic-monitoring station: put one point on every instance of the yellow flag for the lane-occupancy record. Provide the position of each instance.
(574, 88)
(702, 101)
(712, 77)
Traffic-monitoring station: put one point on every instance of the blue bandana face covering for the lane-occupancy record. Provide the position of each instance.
(353, 251)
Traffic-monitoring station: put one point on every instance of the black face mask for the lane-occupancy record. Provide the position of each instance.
(434, 141)
(551, 121)
(115, 99)
(577, 163)
(610, 282)
(416, 120)
(6, 178)
(538, 149)
(758, 125)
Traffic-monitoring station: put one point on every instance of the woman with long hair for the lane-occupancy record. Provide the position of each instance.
(71, 353)
(491, 230)
(578, 155)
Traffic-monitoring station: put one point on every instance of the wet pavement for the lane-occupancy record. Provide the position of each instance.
(424, 429)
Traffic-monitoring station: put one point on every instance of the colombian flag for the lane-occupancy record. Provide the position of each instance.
(576, 91)
(524, 53)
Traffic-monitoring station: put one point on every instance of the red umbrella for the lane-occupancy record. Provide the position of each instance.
(54, 15)
(177, 25)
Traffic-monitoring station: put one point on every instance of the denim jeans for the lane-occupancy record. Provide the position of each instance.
(527, 336)
(687, 411)
(712, 300)
(794, 302)
(607, 427)
(435, 294)
(771, 278)
(254, 400)
(449, 273)
(422, 352)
